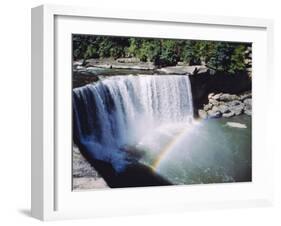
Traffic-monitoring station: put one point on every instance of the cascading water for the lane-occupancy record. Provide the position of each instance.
(122, 111)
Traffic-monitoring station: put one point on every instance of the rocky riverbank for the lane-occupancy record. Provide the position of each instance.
(84, 175)
(134, 64)
(204, 81)
(120, 63)
(226, 105)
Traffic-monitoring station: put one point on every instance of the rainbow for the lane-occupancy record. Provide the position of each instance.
(167, 149)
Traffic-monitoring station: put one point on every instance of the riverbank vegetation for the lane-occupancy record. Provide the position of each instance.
(229, 57)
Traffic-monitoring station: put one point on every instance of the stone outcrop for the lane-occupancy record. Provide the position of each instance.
(84, 175)
(220, 86)
(121, 63)
(205, 82)
(185, 70)
(226, 105)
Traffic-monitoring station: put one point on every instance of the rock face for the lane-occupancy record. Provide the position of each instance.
(222, 87)
(128, 60)
(185, 70)
(226, 105)
(84, 175)
(121, 63)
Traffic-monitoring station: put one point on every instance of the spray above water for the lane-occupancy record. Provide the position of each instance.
(122, 111)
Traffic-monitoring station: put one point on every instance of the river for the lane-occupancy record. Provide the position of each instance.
(148, 120)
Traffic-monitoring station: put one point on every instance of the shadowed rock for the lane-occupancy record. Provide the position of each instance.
(134, 175)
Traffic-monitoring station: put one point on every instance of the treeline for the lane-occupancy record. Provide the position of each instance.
(223, 56)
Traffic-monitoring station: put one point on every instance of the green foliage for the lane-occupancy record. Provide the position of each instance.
(169, 53)
(238, 59)
(222, 56)
(191, 52)
(229, 57)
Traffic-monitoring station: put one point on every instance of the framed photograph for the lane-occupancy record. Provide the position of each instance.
(136, 112)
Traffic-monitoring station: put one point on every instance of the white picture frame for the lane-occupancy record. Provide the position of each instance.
(52, 198)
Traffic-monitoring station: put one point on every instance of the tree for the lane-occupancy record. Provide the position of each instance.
(227, 57)
(191, 52)
(169, 53)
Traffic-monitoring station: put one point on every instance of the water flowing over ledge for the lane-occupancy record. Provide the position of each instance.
(119, 111)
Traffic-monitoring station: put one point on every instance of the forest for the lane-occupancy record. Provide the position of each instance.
(230, 57)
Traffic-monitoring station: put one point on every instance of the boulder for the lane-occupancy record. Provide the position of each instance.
(215, 108)
(248, 106)
(237, 109)
(216, 96)
(200, 69)
(128, 60)
(175, 70)
(248, 102)
(214, 114)
(228, 97)
(214, 102)
(183, 69)
(234, 103)
(228, 114)
(248, 112)
(77, 63)
(181, 63)
(223, 108)
(210, 95)
(207, 107)
(202, 114)
(245, 96)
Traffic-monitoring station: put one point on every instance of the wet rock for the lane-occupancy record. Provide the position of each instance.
(202, 114)
(228, 105)
(214, 114)
(248, 112)
(228, 114)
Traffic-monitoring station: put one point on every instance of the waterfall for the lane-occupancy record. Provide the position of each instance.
(118, 111)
